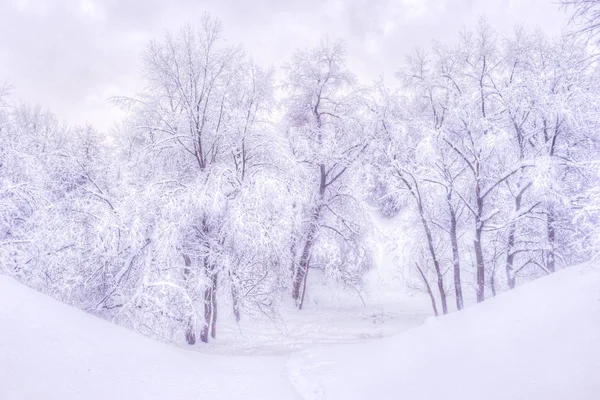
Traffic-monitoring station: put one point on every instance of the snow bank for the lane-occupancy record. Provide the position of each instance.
(540, 341)
(52, 351)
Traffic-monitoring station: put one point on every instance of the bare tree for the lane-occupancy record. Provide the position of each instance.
(585, 18)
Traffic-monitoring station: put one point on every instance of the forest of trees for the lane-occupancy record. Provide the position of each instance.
(225, 189)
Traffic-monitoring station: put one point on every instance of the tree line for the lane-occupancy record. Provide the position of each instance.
(226, 190)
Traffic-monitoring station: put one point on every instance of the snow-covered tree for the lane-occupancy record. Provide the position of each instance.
(327, 125)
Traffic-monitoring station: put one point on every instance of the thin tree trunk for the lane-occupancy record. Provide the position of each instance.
(436, 264)
(190, 334)
(493, 282)
(304, 288)
(293, 254)
(429, 292)
(207, 315)
(235, 298)
(510, 252)
(299, 283)
(213, 306)
(551, 258)
(480, 291)
(455, 258)
(510, 256)
(293, 249)
(510, 247)
(416, 193)
(302, 270)
(550, 226)
(210, 312)
(210, 304)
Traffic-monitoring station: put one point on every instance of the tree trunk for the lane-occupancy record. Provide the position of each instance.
(293, 254)
(429, 292)
(304, 287)
(302, 270)
(190, 334)
(210, 311)
(510, 256)
(493, 282)
(210, 307)
(551, 259)
(436, 264)
(207, 315)
(416, 193)
(550, 221)
(213, 304)
(235, 298)
(480, 291)
(455, 259)
(299, 284)
(510, 252)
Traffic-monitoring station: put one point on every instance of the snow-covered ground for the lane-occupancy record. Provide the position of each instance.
(52, 351)
(540, 341)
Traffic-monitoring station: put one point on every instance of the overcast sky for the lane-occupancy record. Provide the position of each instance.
(71, 55)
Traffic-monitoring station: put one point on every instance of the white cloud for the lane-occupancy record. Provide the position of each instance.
(65, 54)
(92, 10)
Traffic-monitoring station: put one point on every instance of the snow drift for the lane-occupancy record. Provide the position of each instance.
(539, 341)
(52, 351)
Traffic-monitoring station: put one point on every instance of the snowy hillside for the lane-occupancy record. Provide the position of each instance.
(540, 341)
(52, 351)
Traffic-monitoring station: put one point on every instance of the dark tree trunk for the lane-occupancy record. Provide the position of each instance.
(480, 291)
(510, 247)
(510, 257)
(210, 311)
(293, 254)
(551, 259)
(429, 292)
(416, 193)
(235, 298)
(550, 222)
(436, 264)
(304, 288)
(213, 306)
(210, 304)
(190, 334)
(210, 293)
(493, 282)
(299, 283)
(207, 315)
(480, 267)
(510, 251)
(455, 259)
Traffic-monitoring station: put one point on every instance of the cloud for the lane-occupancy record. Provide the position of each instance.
(71, 55)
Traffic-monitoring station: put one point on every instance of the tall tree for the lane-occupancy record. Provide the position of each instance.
(326, 125)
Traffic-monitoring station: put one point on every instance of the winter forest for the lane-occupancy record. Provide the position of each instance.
(232, 190)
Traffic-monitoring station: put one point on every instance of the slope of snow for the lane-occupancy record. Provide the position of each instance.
(540, 341)
(52, 351)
